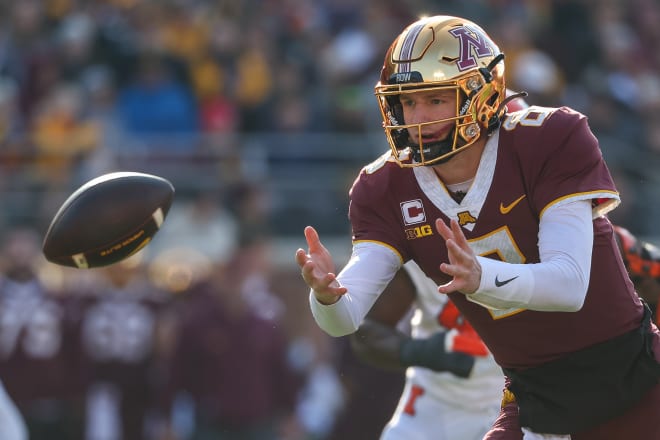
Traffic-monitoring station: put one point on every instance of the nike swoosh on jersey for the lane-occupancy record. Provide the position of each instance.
(499, 283)
(510, 206)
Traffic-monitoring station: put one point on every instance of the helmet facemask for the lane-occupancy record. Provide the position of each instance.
(479, 91)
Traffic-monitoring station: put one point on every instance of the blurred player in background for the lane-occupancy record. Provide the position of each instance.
(119, 326)
(40, 355)
(643, 262)
(229, 355)
(454, 390)
(12, 425)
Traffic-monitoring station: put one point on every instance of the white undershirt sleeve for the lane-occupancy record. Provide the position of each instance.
(370, 268)
(559, 282)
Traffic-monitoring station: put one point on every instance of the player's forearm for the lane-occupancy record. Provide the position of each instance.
(559, 282)
(378, 345)
(385, 347)
(367, 273)
(337, 319)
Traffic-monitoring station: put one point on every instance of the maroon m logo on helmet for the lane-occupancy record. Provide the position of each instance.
(472, 42)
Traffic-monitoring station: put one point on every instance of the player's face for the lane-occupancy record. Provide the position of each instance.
(426, 107)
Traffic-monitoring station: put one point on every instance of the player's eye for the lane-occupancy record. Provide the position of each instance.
(407, 102)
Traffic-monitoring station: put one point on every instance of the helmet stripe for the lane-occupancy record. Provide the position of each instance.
(408, 45)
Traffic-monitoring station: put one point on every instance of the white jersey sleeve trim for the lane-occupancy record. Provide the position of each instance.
(559, 282)
(370, 268)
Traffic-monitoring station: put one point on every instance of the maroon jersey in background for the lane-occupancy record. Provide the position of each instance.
(118, 335)
(40, 358)
(544, 156)
(233, 364)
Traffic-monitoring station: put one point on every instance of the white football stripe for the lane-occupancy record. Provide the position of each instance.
(80, 261)
(158, 217)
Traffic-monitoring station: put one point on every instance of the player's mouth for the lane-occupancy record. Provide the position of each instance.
(436, 136)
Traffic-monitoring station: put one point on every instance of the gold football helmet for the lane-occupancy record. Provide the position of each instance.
(448, 53)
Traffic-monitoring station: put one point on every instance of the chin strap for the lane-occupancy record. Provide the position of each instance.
(435, 149)
(510, 98)
(495, 121)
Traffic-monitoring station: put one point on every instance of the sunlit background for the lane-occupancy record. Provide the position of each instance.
(261, 113)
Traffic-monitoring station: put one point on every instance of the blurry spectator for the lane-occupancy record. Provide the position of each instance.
(185, 29)
(345, 62)
(27, 51)
(115, 148)
(569, 36)
(10, 120)
(254, 86)
(218, 112)
(13, 145)
(250, 203)
(75, 45)
(536, 73)
(201, 223)
(63, 134)
(158, 108)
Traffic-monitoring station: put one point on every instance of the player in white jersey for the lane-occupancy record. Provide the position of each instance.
(453, 385)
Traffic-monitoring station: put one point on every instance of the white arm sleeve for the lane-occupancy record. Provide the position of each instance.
(559, 282)
(370, 268)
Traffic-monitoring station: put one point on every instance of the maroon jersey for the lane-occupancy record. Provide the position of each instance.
(232, 362)
(39, 353)
(538, 158)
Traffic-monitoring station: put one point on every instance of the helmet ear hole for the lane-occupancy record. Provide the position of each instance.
(493, 98)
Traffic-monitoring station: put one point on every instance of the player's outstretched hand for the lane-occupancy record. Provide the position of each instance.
(463, 266)
(318, 269)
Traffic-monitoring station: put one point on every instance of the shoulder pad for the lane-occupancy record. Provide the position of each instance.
(379, 163)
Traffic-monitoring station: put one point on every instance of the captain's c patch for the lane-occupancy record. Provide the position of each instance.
(413, 212)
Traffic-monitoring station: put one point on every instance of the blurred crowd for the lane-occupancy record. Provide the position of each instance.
(206, 332)
(184, 87)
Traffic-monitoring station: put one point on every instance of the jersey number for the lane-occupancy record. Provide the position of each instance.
(415, 392)
(530, 117)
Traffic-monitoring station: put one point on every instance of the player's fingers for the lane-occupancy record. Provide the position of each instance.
(448, 269)
(447, 287)
(457, 255)
(334, 285)
(459, 236)
(307, 271)
(301, 257)
(443, 229)
(314, 277)
(326, 284)
(313, 240)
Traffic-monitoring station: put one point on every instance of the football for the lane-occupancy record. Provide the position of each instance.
(108, 219)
